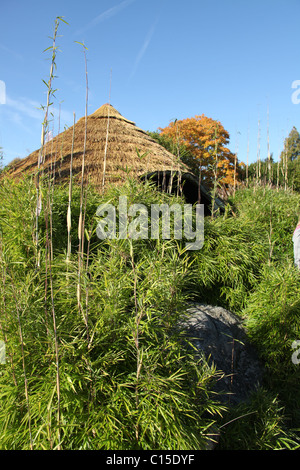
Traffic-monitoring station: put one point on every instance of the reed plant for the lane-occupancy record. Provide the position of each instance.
(132, 384)
(45, 127)
(258, 424)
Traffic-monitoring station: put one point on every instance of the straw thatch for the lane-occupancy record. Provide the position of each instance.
(128, 150)
(115, 149)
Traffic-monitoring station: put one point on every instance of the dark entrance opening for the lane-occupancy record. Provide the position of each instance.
(173, 182)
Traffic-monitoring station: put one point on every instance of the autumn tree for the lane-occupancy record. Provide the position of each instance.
(205, 142)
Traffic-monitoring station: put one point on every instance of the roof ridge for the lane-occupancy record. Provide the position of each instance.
(108, 110)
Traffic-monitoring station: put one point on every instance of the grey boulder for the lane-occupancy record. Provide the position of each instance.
(221, 337)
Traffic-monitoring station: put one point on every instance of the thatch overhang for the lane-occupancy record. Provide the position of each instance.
(115, 148)
(129, 151)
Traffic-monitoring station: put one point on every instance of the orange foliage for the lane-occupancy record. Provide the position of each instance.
(205, 140)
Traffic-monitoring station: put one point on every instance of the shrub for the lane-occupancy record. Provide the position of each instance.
(104, 369)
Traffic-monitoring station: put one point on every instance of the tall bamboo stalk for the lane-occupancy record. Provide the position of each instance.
(57, 366)
(48, 270)
(49, 251)
(270, 235)
(286, 167)
(279, 161)
(50, 93)
(48, 218)
(269, 155)
(170, 185)
(278, 165)
(247, 166)
(25, 376)
(199, 182)
(70, 194)
(81, 214)
(4, 311)
(235, 163)
(80, 225)
(258, 167)
(215, 171)
(107, 133)
(136, 334)
(179, 189)
(26, 388)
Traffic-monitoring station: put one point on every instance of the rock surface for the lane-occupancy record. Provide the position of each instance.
(220, 335)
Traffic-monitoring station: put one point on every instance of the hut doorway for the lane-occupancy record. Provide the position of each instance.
(173, 182)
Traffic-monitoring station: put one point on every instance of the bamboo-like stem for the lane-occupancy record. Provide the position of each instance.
(49, 243)
(107, 133)
(26, 388)
(25, 376)
(278, 165)
(46, 275)
(247, 166)
(235, 165)
(179, 189)
(269, 155)
(56, 358)
(82, 213)
(215, 171)
(85, 315)
(70, 194)
(51, 183)
(4, 312)
(50, 92)
(286, 167)
(258, 168)
(232, 366)
(138, 317)
(80, 222)
(58, 131)
(48, 263)
(87, 289)
(199, 182)
(170, 184)
(270, 235)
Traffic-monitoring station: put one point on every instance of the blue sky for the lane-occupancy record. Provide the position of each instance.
(232, 60)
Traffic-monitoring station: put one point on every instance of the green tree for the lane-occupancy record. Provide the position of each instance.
(1, 159)
(291, 146)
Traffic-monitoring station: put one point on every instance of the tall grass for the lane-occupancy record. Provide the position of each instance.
(132, 384)
(246, 265)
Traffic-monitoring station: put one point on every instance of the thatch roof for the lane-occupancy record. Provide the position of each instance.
(126, 149)
(129, 151)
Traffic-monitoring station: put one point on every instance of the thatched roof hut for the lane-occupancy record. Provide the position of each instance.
(108, 132)
(114, 148)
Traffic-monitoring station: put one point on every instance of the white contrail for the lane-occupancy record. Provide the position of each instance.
(107, 14)
(143, 48)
